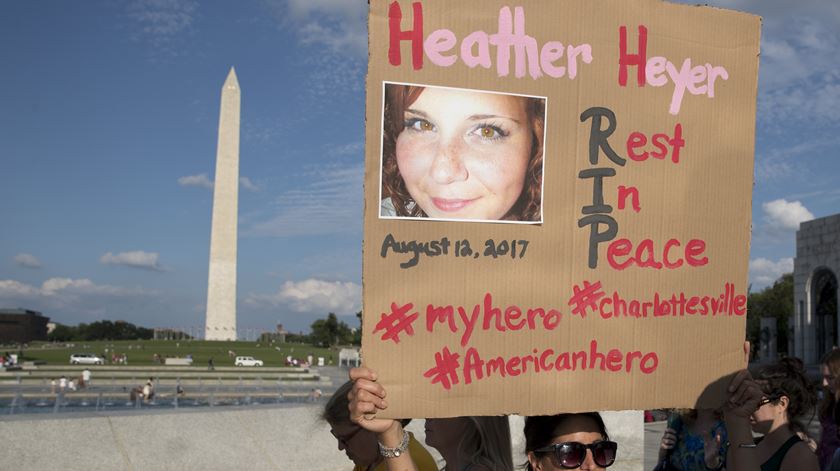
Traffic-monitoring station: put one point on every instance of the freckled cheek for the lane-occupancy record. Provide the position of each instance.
(501, 170)
(414, 158)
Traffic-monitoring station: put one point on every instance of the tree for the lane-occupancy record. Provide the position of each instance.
(100, 330)
(773, 301)
(330, 332)
(62, 333)
(357, 335)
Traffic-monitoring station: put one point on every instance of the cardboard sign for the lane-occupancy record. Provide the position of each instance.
(557, 203)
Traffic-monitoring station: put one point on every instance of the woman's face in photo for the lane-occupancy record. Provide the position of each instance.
(464, 155)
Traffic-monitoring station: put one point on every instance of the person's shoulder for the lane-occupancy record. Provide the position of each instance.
(800, 458)
(420, 456)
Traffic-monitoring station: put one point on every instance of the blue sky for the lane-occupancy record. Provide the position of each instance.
(108, 134)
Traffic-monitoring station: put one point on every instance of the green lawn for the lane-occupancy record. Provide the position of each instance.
(141, 352)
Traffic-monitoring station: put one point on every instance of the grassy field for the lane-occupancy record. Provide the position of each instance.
(141, 352)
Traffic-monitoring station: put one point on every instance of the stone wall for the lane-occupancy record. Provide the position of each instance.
(267, 438)
(817, 247)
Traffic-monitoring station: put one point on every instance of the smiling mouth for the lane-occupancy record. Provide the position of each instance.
(451, 205)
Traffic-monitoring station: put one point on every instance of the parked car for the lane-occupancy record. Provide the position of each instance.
(247, 361)
(86, 359)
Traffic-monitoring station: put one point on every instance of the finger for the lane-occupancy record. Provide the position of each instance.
(367, 396)
(360, 409)
(362, 373)
(747, 352)
(749, 397)
(370, 386)
(740, 377)
(746, 390)
(739, 395)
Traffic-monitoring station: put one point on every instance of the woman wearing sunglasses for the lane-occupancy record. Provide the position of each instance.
(770, 405)
(465, 443)
(568, 441)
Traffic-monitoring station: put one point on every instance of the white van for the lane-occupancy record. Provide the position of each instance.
(247, 361)
(86, 359)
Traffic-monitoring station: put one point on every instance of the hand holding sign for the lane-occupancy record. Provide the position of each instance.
(745, 393)
(367, 398)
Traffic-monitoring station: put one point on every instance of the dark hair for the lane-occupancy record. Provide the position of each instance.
(337, 409)
(540, 430)
(787, 378)
(399, 97)
(487, 442)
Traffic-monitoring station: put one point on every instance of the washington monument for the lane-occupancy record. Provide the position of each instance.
(221, 283)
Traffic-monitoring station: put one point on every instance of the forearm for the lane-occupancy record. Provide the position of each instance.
(742, 452)
(392, 438)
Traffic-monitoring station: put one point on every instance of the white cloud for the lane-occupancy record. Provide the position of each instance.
(15, 289)
(27, 260)
(201, 180)
(332, 204)
(135, 259)
(161, 22)
(62, 287)
(336, 33)
(70, 300)
(314, 296)
(341, 150)
(340, 25)
(763, 272)
(784, 162)
(783, 215)
(246, 184)
(795, 75)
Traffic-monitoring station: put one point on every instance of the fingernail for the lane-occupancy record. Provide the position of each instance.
(384, 404)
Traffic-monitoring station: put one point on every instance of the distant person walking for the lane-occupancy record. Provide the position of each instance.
(85, 382)
(210, 366)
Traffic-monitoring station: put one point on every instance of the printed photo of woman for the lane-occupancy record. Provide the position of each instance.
(461, 155)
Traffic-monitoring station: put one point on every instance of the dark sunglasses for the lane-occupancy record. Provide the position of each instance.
(571, 455)
(768, 399)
